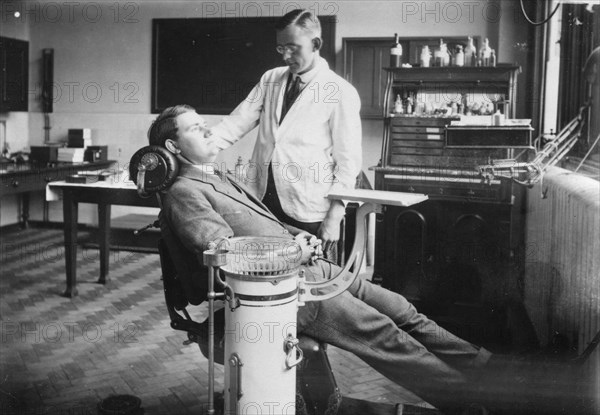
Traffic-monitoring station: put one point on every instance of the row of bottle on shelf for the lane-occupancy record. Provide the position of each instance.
(443, 56)
(410, 104)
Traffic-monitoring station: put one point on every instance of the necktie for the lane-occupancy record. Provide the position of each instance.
(290, 96)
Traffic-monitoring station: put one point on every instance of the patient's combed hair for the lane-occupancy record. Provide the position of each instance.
(305, 19)
(164, 127)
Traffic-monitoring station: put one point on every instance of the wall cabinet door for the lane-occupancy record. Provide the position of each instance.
(14, 62)
(363, 63)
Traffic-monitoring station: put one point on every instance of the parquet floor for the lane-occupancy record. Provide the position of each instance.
(63, 356)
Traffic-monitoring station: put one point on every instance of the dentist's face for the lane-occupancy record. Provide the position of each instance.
(297, 48)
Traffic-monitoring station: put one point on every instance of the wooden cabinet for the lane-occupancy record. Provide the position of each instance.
(459, 255)
(365, 59)
(418, 138)
(14, 62)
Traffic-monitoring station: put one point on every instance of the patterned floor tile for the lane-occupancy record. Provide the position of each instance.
(65, 355)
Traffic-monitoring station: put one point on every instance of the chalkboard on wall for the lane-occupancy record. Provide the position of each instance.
(212, 64)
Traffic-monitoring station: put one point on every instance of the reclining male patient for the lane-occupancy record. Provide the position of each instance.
(379, 326)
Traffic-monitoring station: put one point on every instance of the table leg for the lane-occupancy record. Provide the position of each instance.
(24, 210)
(380, 249)
(70, 216)
(104, 242)
(45, 212)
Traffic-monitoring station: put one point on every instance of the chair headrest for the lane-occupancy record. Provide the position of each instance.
(152, 169)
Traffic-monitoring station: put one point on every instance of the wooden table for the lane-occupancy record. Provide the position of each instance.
(21, 179)
(103, 194)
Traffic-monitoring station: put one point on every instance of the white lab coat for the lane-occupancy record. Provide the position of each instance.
(316, 149)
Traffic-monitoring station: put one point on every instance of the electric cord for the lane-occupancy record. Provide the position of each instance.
(546, 20)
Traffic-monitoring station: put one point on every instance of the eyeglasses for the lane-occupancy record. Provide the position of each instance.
(287, 49)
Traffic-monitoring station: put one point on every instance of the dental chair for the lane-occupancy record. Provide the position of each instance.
(154, 169)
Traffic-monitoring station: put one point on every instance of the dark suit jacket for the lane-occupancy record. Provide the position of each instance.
(200, 208)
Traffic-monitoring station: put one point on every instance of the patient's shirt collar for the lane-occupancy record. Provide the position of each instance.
(205, 168)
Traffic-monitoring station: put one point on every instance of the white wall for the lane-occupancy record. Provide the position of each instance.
(102, 57)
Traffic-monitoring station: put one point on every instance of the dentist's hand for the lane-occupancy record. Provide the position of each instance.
(329, 231)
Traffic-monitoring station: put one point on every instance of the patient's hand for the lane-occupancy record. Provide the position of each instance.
(310, 246)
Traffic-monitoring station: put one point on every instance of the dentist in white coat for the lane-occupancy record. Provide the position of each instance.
(309, 133)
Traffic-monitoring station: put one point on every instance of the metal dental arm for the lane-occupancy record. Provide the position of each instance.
(529, 173)
(372, 202)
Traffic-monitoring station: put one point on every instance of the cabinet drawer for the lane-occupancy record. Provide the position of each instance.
(25, 183)
(18, 185)
(466, 75)
(398, 144)
(438, 122)
(446, 187)
(416, 136)
(32, 178)
(417, 130)
(422, 151)
(444, 157)
(447, 190)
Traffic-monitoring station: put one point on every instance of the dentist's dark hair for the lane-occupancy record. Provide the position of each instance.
(305, 19)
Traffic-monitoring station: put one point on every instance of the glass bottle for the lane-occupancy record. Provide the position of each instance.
(459, 58)
(425, 57)
(497, 118)
(453, 108)
(398, 105)
(470, 53)
(493, 58)
(409, 105)
(437, 60)
(396, 53)
(444, 55)
(485, 54)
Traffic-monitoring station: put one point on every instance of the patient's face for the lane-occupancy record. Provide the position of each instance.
(194, 138)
